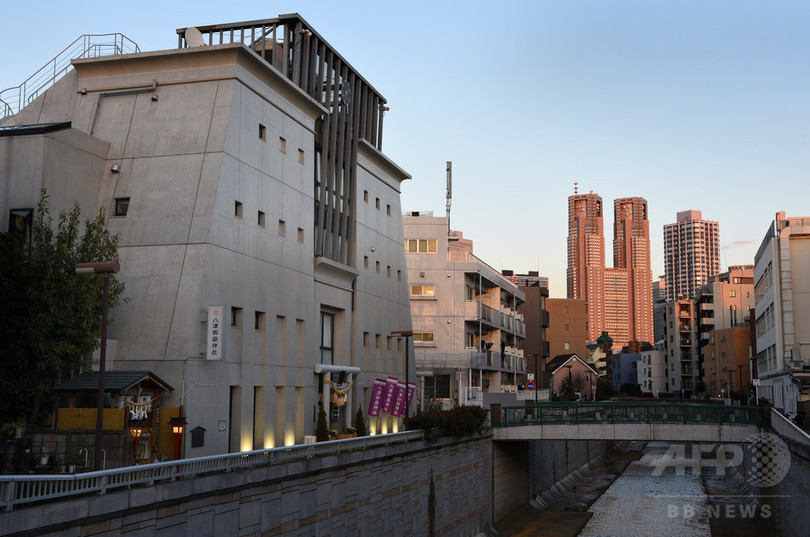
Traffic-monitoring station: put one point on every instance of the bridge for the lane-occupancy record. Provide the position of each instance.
(637, 420)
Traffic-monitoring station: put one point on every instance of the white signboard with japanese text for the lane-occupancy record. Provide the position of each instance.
(216, 333)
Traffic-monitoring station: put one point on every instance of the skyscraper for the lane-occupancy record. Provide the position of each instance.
(586, 258)
(691, 254)
(618, 299)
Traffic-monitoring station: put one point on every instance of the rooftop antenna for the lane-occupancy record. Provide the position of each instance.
(449, 192)
(575, 188)
(194, 37)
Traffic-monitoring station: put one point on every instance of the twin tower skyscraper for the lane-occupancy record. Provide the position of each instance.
(619, 299)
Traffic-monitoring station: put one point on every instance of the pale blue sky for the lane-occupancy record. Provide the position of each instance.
(690, 104)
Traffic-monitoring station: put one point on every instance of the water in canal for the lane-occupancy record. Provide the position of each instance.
(626, 497)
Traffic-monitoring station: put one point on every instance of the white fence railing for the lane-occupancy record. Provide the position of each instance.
(787, 429)
(21, 489)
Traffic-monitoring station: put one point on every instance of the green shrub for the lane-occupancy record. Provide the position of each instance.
(458, 422)
(360, 422)
(322, 430)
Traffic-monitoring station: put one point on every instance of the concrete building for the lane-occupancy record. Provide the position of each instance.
(532, 278)
(536, 319)
(567, 331)
(782, 294)
(659, 305)
(247, 183)
(652, 373)
(681, 344)
(624, 369)
(691, 254)
(618, 299)
(726, 362)
(468, 332)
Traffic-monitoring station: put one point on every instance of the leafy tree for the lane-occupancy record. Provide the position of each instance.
(360, 422)
(55, 314)
(604, 389)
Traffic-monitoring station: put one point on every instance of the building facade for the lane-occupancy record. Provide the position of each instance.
(585, 276)
(691, 254)
(468, 332)
(247, 184)
(567, 331)
(653, 376)
(781, 290)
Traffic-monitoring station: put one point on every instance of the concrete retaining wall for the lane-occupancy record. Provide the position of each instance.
(408, 489)
(793, 492)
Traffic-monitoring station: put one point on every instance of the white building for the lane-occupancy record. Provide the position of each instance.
(782, 293)
(246, 174)
(652, 371)
(467, 331)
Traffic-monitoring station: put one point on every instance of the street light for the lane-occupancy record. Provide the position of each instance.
(105, 269)
(177, 424)
(405, 334)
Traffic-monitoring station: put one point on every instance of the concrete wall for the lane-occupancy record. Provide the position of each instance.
(793, 491)
(409, 489)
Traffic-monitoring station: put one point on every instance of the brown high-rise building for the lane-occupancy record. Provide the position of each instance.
(586, 258)
(619, 299)
(691, 254)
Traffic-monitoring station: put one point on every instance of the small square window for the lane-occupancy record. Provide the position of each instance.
(378, 266)
(365, 196)
(388, 210)
(258, 321)
(262, 133)
(388, 271)
(301, 156)
(236, 316)
(399, 275)
(237, 209)
(365, 261)
(282, 145)
(121, 206)
(300, 234)
(261, 218)
(282, 227)
(378, 203)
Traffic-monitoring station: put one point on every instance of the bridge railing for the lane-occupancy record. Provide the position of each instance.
(624, 412)
(21, 489)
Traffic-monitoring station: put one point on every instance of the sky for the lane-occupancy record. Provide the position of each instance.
(692, 105)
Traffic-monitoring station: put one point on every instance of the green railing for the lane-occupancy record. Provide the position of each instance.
(623, 412)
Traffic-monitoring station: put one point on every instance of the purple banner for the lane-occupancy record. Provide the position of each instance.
(399, 400)
(411, 391)
(376, 397)
(388, 395)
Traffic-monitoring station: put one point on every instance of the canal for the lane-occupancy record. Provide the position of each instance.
(630, 494)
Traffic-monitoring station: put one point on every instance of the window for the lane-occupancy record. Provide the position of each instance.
(378, 203)
(300, 156)
(20, 222)
(282, 227)
(327, 338)
(378, 266)
(300, 234)
(732, 293)
(261, 218)
(437, 387)
(365, 196)
(399, 275)
(388, 271)
(258, 320)
(236, 317)
(262, 133)
(237, 209)
(423, 337)
(282, 145)
(422, 246)
(121, 206)
(567, 345)
(365, 261)
(567, 327)
(388, 210)
(422, 290)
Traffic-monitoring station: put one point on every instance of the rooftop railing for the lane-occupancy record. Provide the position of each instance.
(14, 99)
(21, 489)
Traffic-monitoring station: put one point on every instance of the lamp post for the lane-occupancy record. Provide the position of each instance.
(405, 334)
(105, 269)
(178, 424)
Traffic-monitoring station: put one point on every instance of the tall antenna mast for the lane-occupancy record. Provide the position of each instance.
(575, 188)
(449, 192)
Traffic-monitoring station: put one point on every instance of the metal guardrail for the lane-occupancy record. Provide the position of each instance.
(14, 99)
(623, 412)
(22, 489)
(787, 429)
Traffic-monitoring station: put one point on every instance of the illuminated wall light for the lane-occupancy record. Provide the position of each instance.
(395, 427)
(289, 438)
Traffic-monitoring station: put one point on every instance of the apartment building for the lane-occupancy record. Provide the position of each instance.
(691, 254)
(244, 174)
(468, 332)
(781, 290)
(567, 331)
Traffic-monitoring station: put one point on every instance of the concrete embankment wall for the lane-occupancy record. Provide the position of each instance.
(523, 470)
(408, 489)
(793, 493)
